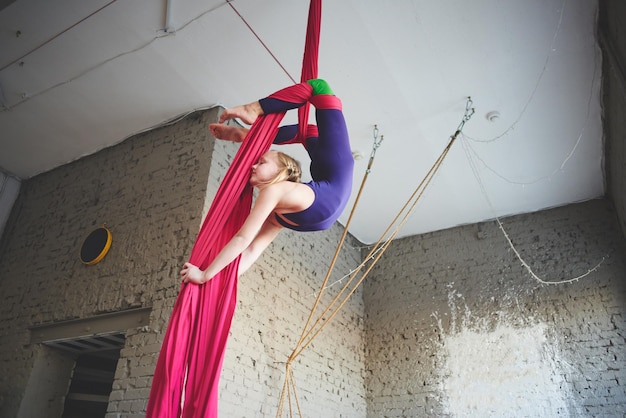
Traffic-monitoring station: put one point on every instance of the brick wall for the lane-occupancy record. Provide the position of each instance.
(455, 326)
(149, 192)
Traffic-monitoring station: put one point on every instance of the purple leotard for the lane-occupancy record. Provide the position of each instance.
(332, 163)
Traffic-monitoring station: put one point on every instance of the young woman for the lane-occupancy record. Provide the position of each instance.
(282, 201)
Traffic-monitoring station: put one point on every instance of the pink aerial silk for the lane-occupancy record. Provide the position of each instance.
(192, 353)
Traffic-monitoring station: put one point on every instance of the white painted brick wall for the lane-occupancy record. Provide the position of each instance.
(454, 291)
(149, 192)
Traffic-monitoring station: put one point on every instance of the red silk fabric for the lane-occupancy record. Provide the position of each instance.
(310, 59)
(194, 343)
(192, 352)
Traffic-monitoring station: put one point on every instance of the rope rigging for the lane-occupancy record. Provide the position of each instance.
(475, 172)
(313, 327)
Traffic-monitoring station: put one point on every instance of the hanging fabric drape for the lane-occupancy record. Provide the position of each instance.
(192, 352)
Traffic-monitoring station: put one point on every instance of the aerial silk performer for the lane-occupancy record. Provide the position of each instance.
(186, 378)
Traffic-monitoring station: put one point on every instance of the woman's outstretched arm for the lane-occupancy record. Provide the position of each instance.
(264, 238)
(254, 236)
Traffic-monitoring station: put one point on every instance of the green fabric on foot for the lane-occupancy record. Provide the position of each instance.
(320, 87)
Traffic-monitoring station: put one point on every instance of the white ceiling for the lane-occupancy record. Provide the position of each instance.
(79, 76)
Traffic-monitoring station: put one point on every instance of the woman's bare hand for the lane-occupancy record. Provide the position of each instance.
(192, 274)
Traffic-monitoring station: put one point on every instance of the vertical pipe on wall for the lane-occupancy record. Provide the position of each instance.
(168, 16)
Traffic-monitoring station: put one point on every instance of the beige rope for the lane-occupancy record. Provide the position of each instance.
(323, 319)
(310, 332)
(289, 374)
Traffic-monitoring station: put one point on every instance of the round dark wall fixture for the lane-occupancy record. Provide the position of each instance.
(95, 246)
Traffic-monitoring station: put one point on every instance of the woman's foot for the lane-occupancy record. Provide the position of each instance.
(247, 113)
(228, 133)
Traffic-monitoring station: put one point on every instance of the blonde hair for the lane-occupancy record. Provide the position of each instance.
(290, 169)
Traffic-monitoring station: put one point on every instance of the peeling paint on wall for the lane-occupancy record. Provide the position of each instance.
(502, 370)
